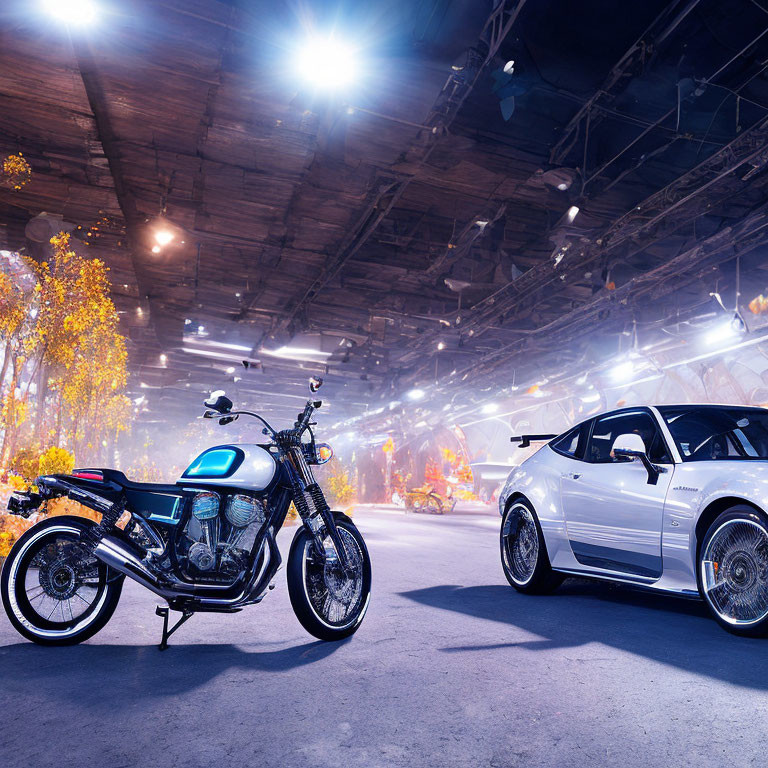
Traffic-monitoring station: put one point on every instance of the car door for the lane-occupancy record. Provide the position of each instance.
(613, 515)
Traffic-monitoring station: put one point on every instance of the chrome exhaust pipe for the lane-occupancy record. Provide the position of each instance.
(115, 554)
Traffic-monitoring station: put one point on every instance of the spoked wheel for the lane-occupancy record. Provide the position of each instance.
(432, 505)
(329, 602)
(53, 589)
(523, 551)
(733, 571)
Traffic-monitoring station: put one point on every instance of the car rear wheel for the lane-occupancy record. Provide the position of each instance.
(524, 555)
(733, 570)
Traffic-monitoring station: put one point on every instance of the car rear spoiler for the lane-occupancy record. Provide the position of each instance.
(526, 440)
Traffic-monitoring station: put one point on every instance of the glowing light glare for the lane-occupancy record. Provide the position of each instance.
(573, 212)
(327, 63)
(231, 369)
(71, 11)
(441, 345)
(723, 332)
(155, 249)
(296, 353)
(163, 359)
(623, 371)
(416, 394)
(163, 237)
(489, 408)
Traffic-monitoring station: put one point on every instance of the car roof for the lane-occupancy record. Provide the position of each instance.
(708, 406)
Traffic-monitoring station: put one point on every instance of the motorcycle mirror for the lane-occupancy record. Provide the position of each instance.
(315, 383)
(219, 402)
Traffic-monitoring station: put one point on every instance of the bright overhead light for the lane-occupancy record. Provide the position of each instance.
(489, 408)
(191, 339)
(163, 359)
(482, 223)
(573, 212)
(155, 249)
(231, 369)
(623, 371)
(163, 237)
(416, 394)
(441, 345)
(725, 331)
(71, 11)
(562, 186)
(327, 63)
(509, 67)
(296, 353)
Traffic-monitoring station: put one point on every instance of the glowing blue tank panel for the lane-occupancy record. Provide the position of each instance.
(233, 466)
(215, 462)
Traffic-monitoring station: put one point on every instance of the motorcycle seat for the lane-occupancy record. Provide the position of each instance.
(116, 477)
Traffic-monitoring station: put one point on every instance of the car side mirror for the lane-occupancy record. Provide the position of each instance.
(629, 447)
(218, 402)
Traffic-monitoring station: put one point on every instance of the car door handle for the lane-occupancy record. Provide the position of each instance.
(571, 475)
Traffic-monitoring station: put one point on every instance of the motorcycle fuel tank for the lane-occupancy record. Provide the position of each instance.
(241, 466)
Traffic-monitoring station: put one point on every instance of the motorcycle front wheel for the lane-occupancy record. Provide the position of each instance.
(54, 590)
(329, 603)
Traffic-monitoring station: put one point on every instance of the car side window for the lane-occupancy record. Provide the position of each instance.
(607, 428)
(570, 443)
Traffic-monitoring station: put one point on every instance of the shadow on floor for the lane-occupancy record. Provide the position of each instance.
(92, 674)
(670, 630)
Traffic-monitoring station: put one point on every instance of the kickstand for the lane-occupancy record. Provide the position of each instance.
(164, 610)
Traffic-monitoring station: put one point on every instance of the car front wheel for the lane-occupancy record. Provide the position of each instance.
(523, 551)
(733, 570)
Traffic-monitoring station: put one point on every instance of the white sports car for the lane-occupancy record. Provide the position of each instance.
(672, 498)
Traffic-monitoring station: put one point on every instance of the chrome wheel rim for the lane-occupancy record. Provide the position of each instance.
(55, 591)
(336, 597)
(734, 572)
(521, 544)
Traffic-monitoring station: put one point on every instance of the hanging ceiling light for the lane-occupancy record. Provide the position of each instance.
(327, 63)
(163, 237)
(77, 12)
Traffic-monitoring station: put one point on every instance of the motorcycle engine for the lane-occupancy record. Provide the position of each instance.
(220, 534)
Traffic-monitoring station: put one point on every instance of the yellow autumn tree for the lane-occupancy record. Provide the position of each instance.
(69, 366)
(17, 337)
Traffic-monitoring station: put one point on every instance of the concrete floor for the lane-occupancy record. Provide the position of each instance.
(450, 668)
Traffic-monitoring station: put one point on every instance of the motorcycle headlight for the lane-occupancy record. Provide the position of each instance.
(324, 453)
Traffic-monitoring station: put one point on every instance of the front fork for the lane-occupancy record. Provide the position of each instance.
(320, 522)
(319, 519)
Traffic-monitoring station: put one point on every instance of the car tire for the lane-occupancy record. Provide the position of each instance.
(732, 570)
(524, 557)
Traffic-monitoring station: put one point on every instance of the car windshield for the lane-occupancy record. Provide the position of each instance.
(711, 433)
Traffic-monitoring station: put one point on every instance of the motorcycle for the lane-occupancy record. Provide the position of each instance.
(206, 543)
(426, 499)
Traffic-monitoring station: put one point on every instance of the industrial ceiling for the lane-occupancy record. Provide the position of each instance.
(509, 190)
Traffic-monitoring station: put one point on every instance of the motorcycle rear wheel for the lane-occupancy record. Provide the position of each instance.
(53, 590)
(327, 602)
